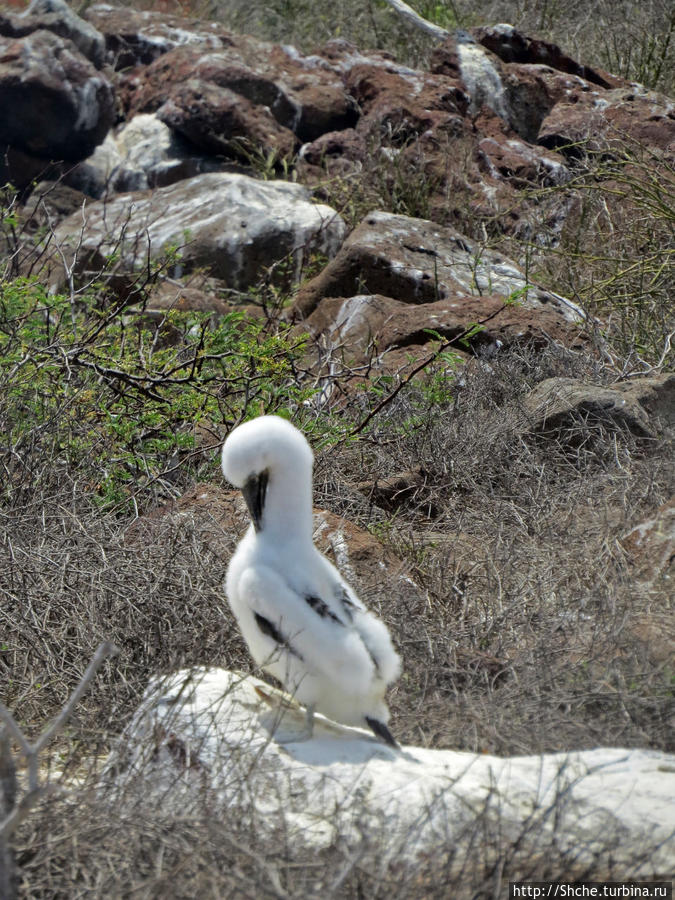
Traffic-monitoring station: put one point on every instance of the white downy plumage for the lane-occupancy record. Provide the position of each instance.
(302, 622)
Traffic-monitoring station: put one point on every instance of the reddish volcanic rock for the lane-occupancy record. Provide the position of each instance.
(346, 144)
(610, 119)
(368, 326)
(405, 102)
(398, 284)
(214, 118)
(136, 37)
(278, 93)
(510, 45)
(550, 99)
(522, 163)
(418, 261)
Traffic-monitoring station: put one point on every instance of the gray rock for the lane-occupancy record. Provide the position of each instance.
(645, 406)
(56, 105)
(482, 78)
(144, 153)
(49, 203)
(56, 16)
(231, 225)
(97, 173)
(417, 261)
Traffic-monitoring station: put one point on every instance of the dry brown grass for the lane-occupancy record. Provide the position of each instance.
(529, 634)
(527, 643)
(522, 644)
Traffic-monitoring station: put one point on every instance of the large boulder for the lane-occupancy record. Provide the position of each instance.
(246, 89)
(232, 225)
(56, 105)
(406, 102)
(548, 98)
(418, 261)
(218, 120)
(607, 120)
(512, 46)
(136, 37)
(422, 139)
(644, 406)
(398, 283)
(222, 741)
(370, 328)
(56, 16)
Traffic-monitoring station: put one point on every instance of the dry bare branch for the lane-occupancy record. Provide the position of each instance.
(31, 752)
(406, 12)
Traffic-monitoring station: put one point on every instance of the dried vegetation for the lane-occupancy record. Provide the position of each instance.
(533, 632)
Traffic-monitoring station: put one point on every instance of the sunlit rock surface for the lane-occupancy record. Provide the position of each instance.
(209, 736)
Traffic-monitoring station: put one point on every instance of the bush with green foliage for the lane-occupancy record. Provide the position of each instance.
(117, 394)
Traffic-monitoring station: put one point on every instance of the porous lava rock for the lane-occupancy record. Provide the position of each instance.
(57, 105)
(417, 262)
(368, 327)
(245, 89)
(233, 226)
(644, 406)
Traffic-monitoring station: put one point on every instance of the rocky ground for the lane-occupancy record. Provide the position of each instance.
(456, 278)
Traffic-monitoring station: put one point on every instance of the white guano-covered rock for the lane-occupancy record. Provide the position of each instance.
(58, 17)
(232, 225)
(206, 736)
(144, 153)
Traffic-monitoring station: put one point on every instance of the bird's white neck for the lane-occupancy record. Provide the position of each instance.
(287, 515)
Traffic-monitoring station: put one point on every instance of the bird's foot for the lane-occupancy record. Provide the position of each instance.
(305, 734)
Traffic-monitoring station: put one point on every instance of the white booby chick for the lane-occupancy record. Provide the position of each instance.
(301, 620)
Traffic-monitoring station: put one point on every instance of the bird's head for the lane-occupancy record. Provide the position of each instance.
(265, 452)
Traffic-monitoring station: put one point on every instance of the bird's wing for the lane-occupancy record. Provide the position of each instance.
(372, 632)
(308, 629)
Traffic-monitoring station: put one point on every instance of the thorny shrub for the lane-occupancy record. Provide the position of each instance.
(615, 254)
(521, 641)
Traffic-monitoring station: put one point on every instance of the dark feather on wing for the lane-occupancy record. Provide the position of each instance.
(270, 630)
(323, 609)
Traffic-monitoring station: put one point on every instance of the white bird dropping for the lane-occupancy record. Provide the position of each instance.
(300, 619)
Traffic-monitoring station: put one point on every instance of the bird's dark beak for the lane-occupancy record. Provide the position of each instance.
(254, 491)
